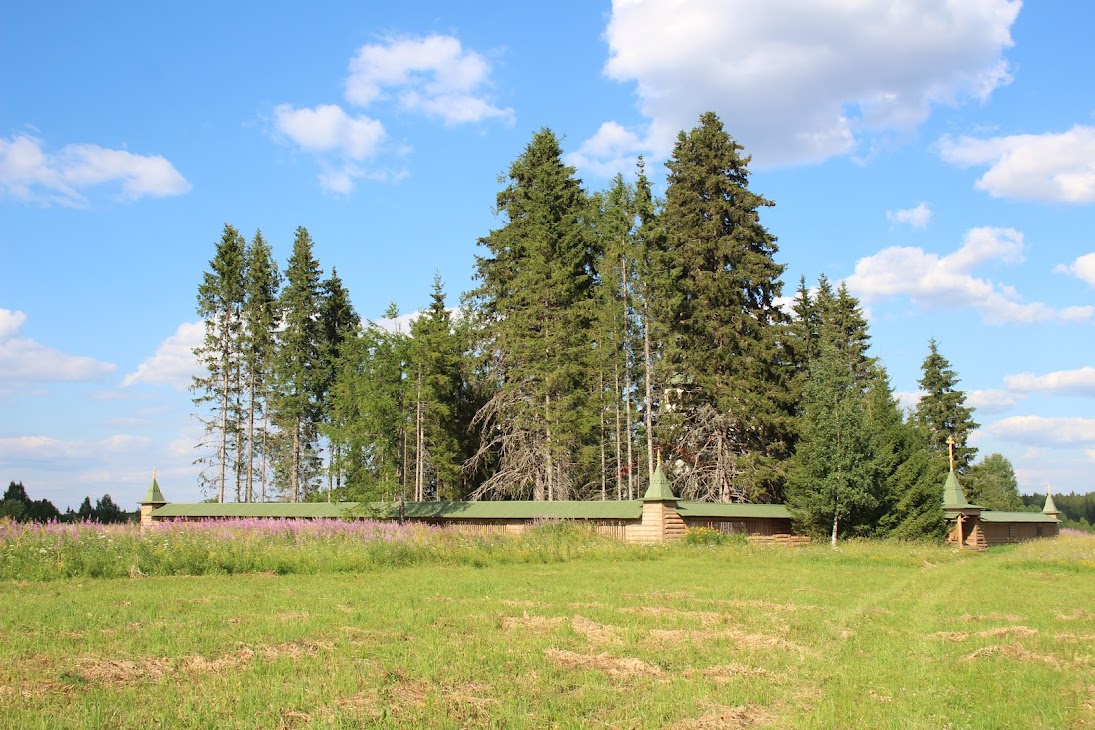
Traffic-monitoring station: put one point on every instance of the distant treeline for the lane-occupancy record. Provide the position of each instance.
(1077, 510)
(17, 505)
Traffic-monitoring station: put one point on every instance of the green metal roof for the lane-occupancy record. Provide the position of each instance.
(286, 510)
(994, 516)
(710, 509)
(153, 495)
(1050, 508)
(953, 496)
(659, 489)
(626, 510)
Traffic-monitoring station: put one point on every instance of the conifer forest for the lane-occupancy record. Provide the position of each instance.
(605, 330)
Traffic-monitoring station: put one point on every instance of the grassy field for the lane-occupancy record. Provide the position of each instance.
(868, 636)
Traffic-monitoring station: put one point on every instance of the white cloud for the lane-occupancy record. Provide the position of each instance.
(1079, 382)
(800, 82)
(29, 174)
(337, 140)
(992, 401)
(173, 363)
(907, 400)
(1047, 432)
(612, 149)
(431, 74)
(49, 452)
(917, 217)
(401, 324)
(935, 282)
(23, 360)
(1043, 167)
(327, 128)
(1083, 268)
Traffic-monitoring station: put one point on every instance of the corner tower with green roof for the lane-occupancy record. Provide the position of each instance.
(661, 521)
(153, 500)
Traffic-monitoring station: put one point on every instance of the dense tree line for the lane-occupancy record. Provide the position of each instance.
(18, 506)
(604, 328)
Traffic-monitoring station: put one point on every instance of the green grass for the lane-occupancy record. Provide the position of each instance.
(872, 635)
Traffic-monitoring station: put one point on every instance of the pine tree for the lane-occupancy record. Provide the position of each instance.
(220, 301)
(534, 293)
(942, 410)
(299, 373)
(260, 319)
(724, 333)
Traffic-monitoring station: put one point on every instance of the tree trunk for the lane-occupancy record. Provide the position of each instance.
(627, 377)
(619, 447)
(836, 519)
(649, 391)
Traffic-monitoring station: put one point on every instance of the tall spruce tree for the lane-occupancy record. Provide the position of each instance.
(723, 342)
(260, 320)
(942, 410)
(299, 373)
(368, 420)
(339, 322)
(656, 299)
(535, 285)
(437, 371)
(615, 224)
(220, 301)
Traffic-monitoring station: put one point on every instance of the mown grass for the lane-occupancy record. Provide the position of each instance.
(585, 634)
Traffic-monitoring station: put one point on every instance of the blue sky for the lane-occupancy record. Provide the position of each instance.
(939, 157)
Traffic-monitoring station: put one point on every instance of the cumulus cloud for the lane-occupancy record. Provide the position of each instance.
(173, 363)
(992, 401)
(431, 74)
(933, 282)
(800, 82)
(49, 452)
(30, 174)
(1080, 382)
(1042, 167)
(1083, 268)
(907, 400)
(917, 217)
(612, 149)
(339, 142)
(1048, 432)
(327, 128)
(23, 360)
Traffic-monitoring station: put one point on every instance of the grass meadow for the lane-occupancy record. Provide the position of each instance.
(226, 626)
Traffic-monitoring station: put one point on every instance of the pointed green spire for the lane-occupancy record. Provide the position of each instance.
(659, 489)
(153, 495)
(954, 498)
(1050, 508)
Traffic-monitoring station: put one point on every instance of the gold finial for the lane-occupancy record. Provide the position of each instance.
(153, 473)
(659, 459)
(950, 449)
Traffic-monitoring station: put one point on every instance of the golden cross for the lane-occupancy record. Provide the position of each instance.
(950, 448)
